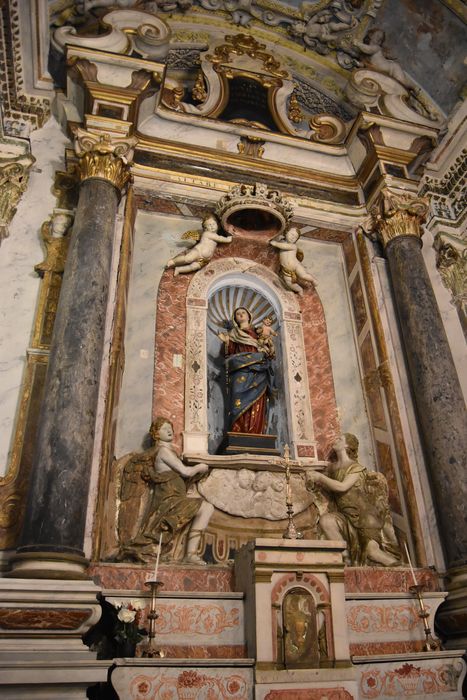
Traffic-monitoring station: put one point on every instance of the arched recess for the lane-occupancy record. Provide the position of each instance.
(297, 396)
(310, 584)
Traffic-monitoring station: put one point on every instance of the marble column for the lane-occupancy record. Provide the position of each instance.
(53, 535)
(437, 393)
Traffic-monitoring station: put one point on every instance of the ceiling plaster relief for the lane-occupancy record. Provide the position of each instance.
(332, 34)
(224, 61)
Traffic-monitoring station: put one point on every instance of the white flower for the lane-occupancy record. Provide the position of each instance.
(118, 604)
(136, 604)
(126, 615)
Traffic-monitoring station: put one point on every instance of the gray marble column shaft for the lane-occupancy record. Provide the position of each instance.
(58, 495)
(438, 396)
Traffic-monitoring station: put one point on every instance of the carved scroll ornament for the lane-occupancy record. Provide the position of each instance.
(14, 177)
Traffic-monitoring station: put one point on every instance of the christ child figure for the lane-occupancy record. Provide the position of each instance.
(266, 333)
(201, 253)
(292, 272)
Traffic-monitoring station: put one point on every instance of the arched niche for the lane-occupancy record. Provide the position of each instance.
(225, 296)
(297, 425)
(299, 637)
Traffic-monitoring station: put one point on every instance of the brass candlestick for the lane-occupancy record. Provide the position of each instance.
(431, 644)
(291, 532)
(151, 651)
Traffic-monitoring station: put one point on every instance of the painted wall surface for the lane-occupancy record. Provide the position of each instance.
(157, 239)
(325, 262)
(20, 284)
(430, 43)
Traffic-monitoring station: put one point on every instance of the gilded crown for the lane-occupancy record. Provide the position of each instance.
(258, 197)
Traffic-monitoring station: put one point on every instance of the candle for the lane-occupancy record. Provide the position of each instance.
(410, 564)
(156, 568)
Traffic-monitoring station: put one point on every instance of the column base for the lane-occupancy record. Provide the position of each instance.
(42, 654)
(451, 619)
(48, 565)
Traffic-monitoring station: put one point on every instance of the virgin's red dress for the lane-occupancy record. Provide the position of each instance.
(253, 419)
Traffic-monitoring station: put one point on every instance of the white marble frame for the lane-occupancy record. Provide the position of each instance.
(297, 394)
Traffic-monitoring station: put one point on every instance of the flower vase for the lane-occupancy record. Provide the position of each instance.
(127, 649)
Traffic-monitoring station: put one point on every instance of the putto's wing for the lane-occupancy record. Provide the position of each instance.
(192, 236)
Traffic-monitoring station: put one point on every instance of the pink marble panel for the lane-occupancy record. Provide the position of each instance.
(350, 255)
(306, 451)
(366, 618)
(175, 578)
(146, 202)
(168, 394)
(410, 679)
(377, 648)
(205, 618)
(315, 585)
(367, 579)
(309, 694)
(42, 618)
(325, 234)
(202, 651)
(189, 684)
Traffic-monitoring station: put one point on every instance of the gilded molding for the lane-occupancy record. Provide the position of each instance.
(451, 261)
(117, 364)
(15, 164)
(294, 112)
(199, 92)
(55, 241)
(243, 44)
(398, 215)
(252, 146)
(104, 156)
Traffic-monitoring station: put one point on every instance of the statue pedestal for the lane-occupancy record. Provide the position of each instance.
(240, 443)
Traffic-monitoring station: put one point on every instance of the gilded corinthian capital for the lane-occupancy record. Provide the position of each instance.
(397, 215)
(104, 157)
(15, 163)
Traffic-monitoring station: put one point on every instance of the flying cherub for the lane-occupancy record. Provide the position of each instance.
(293, 274)
(201, 253)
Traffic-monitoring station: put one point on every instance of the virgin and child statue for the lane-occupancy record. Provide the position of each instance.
(249, 352)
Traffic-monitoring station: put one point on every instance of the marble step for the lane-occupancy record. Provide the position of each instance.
(181, 678)
(175, 577)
